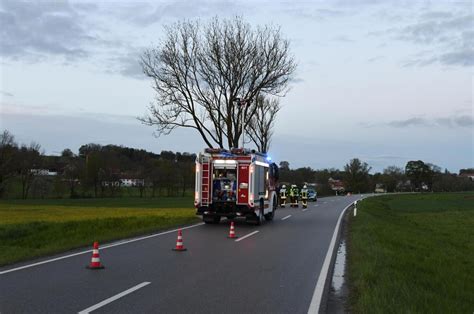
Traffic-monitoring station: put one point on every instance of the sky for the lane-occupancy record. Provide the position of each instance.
(386, 82)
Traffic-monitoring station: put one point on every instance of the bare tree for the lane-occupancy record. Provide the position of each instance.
(29, 160)
(8, 148)
(262, 122)
(199, 71)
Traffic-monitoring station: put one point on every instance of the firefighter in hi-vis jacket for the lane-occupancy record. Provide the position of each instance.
(294, 195)
(283, 196)
(304, 196)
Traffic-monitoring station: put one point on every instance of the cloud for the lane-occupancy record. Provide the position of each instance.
(8, 107)
(297, 80)
(459, 121)
(432, 30)
(344, 39)
(408, 122)
(172, 10)
(126, 63)
(376, 58)
(37, 30)
(446, 37)
(463, 57)
(309, 11)
(436, 15)
(6, 94)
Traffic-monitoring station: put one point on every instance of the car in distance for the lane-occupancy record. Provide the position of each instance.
(312, 195)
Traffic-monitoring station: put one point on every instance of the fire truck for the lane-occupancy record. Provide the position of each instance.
(235, 183)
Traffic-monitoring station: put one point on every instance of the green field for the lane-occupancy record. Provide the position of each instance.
(33, 228)
(412, 254)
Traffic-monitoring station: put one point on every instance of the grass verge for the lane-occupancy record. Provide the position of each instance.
(35, 228)
(412, 254)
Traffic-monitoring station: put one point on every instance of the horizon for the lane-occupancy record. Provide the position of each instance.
(379, 81)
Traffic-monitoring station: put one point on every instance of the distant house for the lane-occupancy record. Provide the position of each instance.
(380, 188)
(469, 175)
(336, 185)
(404, 186)
(132, 182)
(43, 172)
(111, 183)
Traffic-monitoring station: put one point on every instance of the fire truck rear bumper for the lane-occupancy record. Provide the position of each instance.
(225, 210)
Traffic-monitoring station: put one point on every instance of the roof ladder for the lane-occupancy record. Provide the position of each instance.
(205, 184)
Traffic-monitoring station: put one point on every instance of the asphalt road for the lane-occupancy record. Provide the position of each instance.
(274, 270)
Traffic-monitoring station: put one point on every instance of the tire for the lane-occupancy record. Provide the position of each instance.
(269, 216)
(259, 219)
(211, 219)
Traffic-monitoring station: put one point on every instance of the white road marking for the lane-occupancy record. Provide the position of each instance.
(316, 205)
(286, 217)
(115, 297)
(247, 235)
(305, 209)
(324, 202)
(102, 248)
(319, 289)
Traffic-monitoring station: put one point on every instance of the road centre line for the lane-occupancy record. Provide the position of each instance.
(247, 235)
(319, 289)
(286, 217)
(316, 205)
(305, 209)
(115, 297)
(102, 248)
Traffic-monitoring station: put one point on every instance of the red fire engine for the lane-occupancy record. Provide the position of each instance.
(235, 183)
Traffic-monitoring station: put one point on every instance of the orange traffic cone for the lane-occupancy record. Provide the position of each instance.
(179, 242)
(232, 231)
(95, 261)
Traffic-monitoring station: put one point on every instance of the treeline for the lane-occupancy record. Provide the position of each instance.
(356, 177)
(112, 171)
(95, 171)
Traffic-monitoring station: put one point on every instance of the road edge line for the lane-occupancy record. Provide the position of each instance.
(113, 298)
(315, 304)
(247, 235)
(102, 248)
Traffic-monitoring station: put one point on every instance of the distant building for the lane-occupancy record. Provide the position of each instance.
(469, 175)
(336, 185)
(380, 188)
(111, 183)
(404, 186)
(43, 172)
(132, 182)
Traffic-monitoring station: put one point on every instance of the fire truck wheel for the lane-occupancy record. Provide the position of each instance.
(259, 218)
(270, 216)
(211, 219)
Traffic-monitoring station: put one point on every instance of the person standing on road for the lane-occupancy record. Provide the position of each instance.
(283, 196)
(304, 196)
(294, 195)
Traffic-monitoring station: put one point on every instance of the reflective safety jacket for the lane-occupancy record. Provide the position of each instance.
(304, 193)
(293, 191)
(283, 193)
